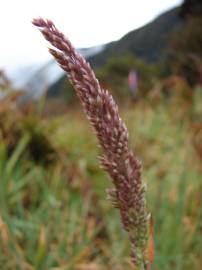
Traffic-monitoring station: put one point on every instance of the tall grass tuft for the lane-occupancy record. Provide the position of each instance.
(121, 163)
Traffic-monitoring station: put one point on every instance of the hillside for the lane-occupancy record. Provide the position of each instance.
(148, 43)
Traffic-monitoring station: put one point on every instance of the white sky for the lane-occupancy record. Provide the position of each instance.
(85, 22)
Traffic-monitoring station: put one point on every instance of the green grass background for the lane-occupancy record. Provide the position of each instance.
(56, 216)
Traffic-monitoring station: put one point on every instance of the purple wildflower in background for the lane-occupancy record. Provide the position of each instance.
(133, 81)
(128, 193)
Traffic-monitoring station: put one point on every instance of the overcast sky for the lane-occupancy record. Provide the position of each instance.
(85, 22)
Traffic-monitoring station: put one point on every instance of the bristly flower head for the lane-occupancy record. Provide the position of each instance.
(128, 193)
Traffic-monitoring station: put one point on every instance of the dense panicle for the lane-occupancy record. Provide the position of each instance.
(128, 193)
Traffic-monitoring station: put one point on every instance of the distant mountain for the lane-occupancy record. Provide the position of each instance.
(148, 43)
(39, 77)
(48, 74)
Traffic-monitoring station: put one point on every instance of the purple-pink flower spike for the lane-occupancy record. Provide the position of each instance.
(128, 194)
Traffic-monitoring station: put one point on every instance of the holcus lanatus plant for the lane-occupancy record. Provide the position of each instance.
(128, 193)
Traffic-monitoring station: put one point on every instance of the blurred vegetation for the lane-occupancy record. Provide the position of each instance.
(114, 75)
(190, 8)
(185, 52)
(53, 208)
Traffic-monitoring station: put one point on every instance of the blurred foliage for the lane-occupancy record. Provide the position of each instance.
(191, 8)
(5, 84)
(64, 89)
(16, 120)
(114, 74)
(185, 58)
(53, 208)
